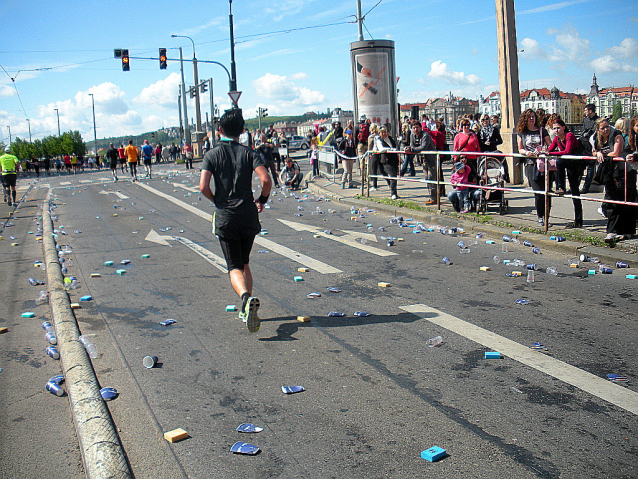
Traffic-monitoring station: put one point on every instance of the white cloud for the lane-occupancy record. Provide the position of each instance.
(6, 90)
(108, 98)
(282, 89)
(531, 49)
(440, 70)
(277, 10)
(552, 7)
(628, 48)
(571, 47)
(608, 64)
(162, 93)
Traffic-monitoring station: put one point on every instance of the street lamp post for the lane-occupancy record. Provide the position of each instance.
(9, 127)
(198, 114)
(57, 112)
(94, 128)
(233, 69)
(29, 123)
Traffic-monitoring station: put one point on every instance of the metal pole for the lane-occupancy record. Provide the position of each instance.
(94, 128)
(359, 20)
(438, 181)
(179, 109)
(8, 126)
(212, 112)
(198, 114)
(187, 130)
(233, 67)
(57, 112)
(547, 198)
(259, 117)
(29, 123)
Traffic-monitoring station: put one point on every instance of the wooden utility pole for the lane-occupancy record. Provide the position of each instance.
(508, 80)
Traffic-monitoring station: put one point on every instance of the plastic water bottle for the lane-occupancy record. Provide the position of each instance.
(447, 261)
(530, 276)
(551, 270)
(496, 259)
(461, 244)
(435, 341)
(535, 250)
(90, 347)
(515, 241)
(43, 298)
(506, 239)
(504, 248)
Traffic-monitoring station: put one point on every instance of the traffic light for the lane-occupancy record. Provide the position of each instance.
(193, 91)
(162, 58)
(264, 112)
(125, 61)
(204, 87)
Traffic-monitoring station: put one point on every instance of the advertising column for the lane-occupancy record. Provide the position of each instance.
(374, 82)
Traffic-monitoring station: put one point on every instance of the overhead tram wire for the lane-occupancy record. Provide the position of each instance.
(246, 38)
(13, 82)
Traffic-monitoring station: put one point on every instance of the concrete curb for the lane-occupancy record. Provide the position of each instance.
(100, 445)
(605, 255)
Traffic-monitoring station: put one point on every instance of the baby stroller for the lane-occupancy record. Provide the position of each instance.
(491, 173)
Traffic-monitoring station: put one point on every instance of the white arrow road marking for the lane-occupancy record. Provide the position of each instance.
(271, 245)
(121, 196)
(155, 237)
(347, 239)
(188, 188)
(599, 387)
(209, 256)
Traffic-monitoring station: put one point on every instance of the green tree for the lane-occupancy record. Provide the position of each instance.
(616, 112)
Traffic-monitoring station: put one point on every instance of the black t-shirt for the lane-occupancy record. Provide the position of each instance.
(112, 155)
(232, 166)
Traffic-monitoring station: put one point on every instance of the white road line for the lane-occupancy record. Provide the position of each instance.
(599, 387)
(302, 259)
(209, 256)
(271, 245)
(65, 183)
(183, 204)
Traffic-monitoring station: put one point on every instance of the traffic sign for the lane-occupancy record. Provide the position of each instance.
(234, 96)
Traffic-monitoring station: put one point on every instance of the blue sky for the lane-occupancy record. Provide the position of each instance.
(59, 52)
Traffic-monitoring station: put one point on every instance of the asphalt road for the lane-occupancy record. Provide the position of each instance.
(376, 394)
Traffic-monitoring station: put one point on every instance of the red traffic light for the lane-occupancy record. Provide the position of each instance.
(125, 61)
(162, 58)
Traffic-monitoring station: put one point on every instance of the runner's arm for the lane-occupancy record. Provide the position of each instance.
(266, 185)
(204, 185)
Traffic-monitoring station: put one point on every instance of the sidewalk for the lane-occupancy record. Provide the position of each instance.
(521, 214)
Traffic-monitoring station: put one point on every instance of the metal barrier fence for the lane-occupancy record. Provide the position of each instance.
(547, 193)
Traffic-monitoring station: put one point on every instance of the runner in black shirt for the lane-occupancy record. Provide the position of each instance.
(236, 220)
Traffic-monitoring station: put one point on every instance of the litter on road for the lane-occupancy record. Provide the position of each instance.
(248, 427)
(292, 389)
(244, 448)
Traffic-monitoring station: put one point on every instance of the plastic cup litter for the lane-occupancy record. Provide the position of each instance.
(149, 362)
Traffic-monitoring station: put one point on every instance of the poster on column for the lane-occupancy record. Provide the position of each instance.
(373, 86)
